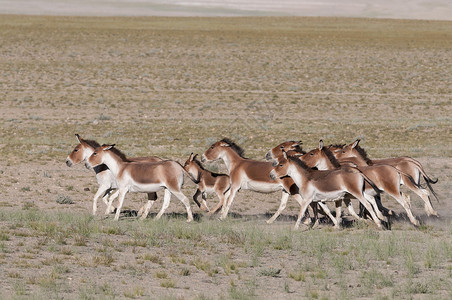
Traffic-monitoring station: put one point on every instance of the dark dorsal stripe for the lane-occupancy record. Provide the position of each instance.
(239, 150)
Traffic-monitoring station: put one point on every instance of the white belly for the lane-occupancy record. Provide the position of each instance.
(145, 188)
(261, 187)
(326, 197)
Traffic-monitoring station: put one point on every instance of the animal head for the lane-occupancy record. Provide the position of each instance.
(82, 151)
(281, 168)
(276, 152)
(98, 156)
(218, 149)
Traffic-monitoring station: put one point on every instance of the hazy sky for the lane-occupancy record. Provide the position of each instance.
(406, 9)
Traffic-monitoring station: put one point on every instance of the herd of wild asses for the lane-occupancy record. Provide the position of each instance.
(334, 173)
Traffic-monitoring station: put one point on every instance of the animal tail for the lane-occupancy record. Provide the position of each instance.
(188, 174)
(422, 171)
(427, 178)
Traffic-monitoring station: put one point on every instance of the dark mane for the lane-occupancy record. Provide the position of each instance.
(299, 162)
(239, 150)
(118, 153)
(92, 143)
(298, 147)
(363, 154)
(336, 146)
(331, 157)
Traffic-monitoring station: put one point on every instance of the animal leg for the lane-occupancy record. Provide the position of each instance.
(303, 208)
(102, 190)
(338, 214)
(404, 200)
(223, 198)
(195, 197)
(166, 202)
(186, 202)
(350, 208)
(282, 206)
(328, 213)
(368, 206)
(377, 211)
(227, 206)
(204, 202)
(147, 208)
(122, 195)
(425, 196)
(110, 207)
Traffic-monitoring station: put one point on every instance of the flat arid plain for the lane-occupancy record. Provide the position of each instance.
(170, 86)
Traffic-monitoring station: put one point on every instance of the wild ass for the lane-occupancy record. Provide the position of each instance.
(249, 174)
(104, 176)
(293, 149)
(385, 177)
(143, 177)
(332, 185)
(407, 165)
(207, 182)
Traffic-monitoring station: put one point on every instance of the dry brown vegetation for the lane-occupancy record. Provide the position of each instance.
(172, 86)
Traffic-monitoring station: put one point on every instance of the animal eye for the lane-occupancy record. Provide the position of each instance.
(312, 154)
(94, 153)
(280, 165)
(75, 150)
(211, 147)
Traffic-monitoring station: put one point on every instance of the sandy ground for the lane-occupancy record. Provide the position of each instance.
(172, 86)
(398, 9)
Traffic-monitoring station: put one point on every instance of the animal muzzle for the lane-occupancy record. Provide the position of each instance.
(68, 162)
(203, 158)
(88, 165)
(273, 174)
(269, 156)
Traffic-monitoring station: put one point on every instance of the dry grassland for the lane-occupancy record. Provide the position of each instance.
(172, 86)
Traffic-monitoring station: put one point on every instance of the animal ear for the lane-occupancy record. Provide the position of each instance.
(223, 144)
(79, 139)
(108, 147)
(297, 155)
(284, 154)
(194, 157)
(355, 143)
(300, 142)
(320, 144)
(191, 157)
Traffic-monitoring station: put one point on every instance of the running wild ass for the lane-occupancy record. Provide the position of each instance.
(385, 177)
(144, 177)
(105, 178)
(207, 182)
(249, 174)
(331, 185)
(407, 165)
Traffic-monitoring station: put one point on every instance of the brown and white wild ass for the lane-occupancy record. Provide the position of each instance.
(407, 165)
(248, 174)
(331, 185)
(385, 177)
(104, 176)
(207, 182)
(293, 149)
(143, 177)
